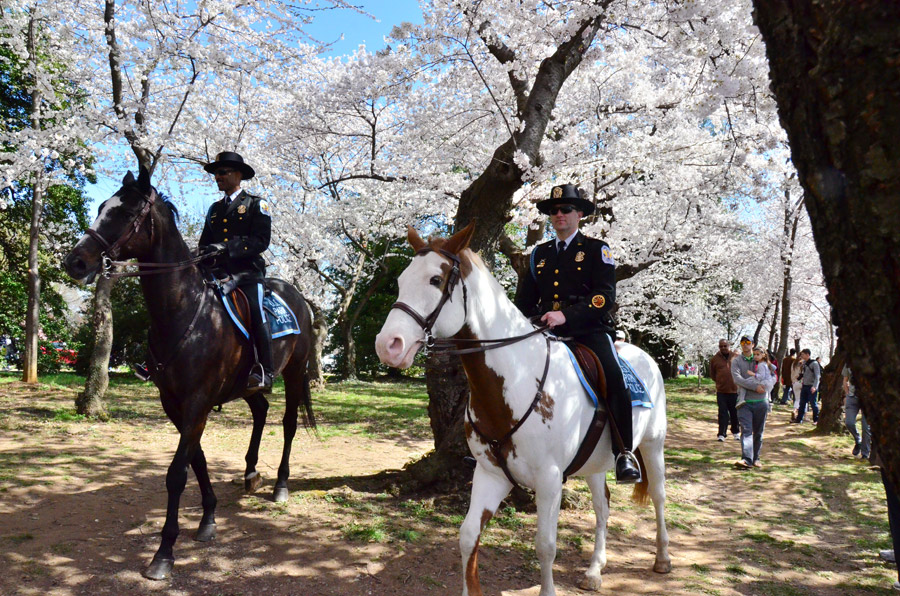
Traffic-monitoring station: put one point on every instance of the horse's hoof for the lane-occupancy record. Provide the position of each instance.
(662, 566)
(159, 569)
(591, 584)
(253, 483)
(206, 532)
(281, 494)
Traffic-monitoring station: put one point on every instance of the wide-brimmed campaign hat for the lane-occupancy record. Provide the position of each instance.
(565, 194)
(230, 159)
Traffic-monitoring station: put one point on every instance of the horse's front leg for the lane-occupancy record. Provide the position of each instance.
(487, 492)
(259, 407)
(547, 497)
(207, 529)
(176, 478)
(600, 497)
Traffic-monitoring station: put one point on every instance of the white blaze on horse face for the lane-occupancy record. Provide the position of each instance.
(401, 336)
(107, 208)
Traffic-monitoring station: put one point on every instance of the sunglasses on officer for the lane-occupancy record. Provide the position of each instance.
(564, 208)
(223, 172)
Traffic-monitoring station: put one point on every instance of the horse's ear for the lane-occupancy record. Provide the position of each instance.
(414, 239)
(128, 179)
(461, 239)
(144, 179)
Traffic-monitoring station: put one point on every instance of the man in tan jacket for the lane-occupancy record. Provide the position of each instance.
(726, 390)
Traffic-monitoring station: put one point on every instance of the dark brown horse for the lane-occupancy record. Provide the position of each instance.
(198, 360)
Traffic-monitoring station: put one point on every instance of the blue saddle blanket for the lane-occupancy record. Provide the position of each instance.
(279, 316)
(639, 394)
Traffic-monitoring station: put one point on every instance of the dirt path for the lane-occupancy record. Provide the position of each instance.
(81, 506)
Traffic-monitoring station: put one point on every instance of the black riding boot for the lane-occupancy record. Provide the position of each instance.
(262, 372)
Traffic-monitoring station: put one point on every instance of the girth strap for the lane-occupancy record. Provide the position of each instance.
(496, 445)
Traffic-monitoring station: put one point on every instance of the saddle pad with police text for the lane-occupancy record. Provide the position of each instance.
(639, 394)
(280, 318)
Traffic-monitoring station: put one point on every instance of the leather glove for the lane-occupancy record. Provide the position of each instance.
(213, 249)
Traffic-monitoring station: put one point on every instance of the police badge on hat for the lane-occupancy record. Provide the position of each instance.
(557, 192)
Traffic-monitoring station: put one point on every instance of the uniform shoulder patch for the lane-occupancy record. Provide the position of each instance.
(606, 255)
(264, 208)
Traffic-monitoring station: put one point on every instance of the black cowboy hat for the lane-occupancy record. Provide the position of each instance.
(566, 194)
(232, 160)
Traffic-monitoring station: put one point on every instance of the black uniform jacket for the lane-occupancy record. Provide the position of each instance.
(581, 282)
(245, 228)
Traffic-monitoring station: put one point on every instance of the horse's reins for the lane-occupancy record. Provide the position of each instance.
(445, 346)
(111, 251)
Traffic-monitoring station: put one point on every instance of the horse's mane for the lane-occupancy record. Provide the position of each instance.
(166, 200)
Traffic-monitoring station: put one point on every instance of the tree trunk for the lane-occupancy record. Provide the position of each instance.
(831, 396)
(90, 401)
(32, 314)
(320, 334)
(762, 321)
(773, 335)
(791, 219)
(448, 392)
(835, 78)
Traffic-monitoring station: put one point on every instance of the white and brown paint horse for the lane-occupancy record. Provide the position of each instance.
(503, 385)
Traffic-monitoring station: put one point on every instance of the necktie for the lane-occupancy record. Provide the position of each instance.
(561, 246)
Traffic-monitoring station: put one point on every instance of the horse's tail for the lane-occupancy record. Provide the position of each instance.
(641, 492)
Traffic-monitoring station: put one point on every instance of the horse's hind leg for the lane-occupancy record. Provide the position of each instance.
(654, 461)
(294, 388)
(487, 492)
(259, 406)
(207, 529)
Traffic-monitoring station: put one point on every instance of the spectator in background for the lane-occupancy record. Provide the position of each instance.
(754, 377)
(726, 390)
(862, 445)
(809, 381)
(773, 363)
(786, 364)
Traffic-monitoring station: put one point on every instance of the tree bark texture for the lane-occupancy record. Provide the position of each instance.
(32, 318)
(831, 396)
(791, 219)
(320, 334)
(835, 70)
(32, 313)
(90, 401)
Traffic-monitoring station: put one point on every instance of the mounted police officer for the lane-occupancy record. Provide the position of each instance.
(572, 286)
(235, 234)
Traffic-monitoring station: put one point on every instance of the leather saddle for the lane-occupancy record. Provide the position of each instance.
(593, 373)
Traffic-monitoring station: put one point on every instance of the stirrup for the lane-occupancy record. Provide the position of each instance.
(630, 457)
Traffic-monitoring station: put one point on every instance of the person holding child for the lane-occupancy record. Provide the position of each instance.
(754, 378)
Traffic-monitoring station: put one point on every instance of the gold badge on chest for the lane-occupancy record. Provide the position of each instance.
(242, 209)
(580, 256)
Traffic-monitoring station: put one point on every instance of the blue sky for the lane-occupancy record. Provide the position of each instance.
(328, 26)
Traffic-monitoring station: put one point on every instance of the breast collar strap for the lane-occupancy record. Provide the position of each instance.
(447, 286)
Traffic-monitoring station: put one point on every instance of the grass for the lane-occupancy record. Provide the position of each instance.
(842, 500)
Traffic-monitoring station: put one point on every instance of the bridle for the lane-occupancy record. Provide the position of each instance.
(448, 284)
(111, 251)
(447, 346)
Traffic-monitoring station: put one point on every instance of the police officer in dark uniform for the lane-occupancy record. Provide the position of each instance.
(572, 286)
(235, 234)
